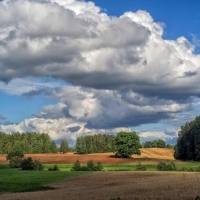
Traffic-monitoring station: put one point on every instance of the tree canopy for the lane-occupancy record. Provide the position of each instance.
(95, 144)
(188, 142)
(126, 144)
(64, 146)
(29, 142)
(155, 144)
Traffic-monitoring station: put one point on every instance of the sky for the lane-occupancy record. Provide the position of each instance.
(71, 68)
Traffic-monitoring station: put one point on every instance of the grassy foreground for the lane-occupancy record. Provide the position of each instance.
(15, 180)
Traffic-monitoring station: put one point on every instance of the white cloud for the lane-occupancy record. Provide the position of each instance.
(75, 42)
(57, 128)
(110, 109)
(125, 72)
(153, 135)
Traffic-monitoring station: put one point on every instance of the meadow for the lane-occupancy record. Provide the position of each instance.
(117, 181)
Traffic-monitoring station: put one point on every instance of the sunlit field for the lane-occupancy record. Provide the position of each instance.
(119, 180)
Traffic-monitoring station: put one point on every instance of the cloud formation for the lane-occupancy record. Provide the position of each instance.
(57, 129)
(122, 72)
(109, 109)
(75, 42)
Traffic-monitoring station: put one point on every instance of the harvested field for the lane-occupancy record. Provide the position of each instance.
(126, 185)
(149, 154)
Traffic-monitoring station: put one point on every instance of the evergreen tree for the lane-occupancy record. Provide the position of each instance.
(188, 142)
(64, 146)
(54, 148)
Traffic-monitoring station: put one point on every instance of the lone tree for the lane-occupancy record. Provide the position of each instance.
(126, 144)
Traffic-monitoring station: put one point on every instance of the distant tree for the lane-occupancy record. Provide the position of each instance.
(54, 148)
(127, 143)
(154, 144)
(29, 142)
(64, 146)
(169, 146)
(147, 144)
(95, 144)
(161, 144)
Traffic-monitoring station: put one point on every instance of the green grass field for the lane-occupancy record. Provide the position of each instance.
(17, 180)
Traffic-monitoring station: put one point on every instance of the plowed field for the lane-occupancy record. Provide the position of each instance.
(125, 185)
(106, 158)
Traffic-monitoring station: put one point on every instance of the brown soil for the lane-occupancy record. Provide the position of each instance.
(105, 158)
(125, 185)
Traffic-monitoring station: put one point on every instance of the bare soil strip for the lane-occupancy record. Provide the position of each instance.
(126, 185)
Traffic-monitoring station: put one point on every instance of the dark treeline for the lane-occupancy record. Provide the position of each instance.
(156, 144)
(188, 142)
(27, 143)
(95, 144)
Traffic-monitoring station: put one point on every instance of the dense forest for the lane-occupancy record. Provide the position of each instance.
(95, 144)
(27, 143)
(188, 142)
(31, 142)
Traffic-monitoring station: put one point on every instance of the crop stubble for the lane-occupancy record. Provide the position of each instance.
(126, 185)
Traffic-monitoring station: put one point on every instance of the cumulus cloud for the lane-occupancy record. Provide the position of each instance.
(74, 41)
(122, 72)
(110, 109)
(57, 129)
(151, 135)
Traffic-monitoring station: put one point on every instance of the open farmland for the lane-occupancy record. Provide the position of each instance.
(107, 185)
(147, 154)
(126, 185)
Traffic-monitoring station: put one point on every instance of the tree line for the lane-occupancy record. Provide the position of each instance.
(188, 142)
(95, 144)
(29, 142)
(157, 144)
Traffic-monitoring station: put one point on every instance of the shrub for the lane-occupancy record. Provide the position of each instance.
(15, 158)
(99, 166)
(162, 166)
(39, 165)
(90, 166)
(55, 168)
(85, 168)
(76, 166)
(15, 162)
(140, 167)
(30, 164)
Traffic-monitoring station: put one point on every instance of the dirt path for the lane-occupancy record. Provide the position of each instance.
(126, 185)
